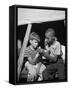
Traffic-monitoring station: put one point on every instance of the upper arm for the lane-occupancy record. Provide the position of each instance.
(27, 52)
(57, 50)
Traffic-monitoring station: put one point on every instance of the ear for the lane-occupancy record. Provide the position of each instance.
(30, 41)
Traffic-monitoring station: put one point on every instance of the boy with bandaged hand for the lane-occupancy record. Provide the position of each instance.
(33, 65)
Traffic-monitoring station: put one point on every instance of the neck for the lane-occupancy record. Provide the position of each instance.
(32, 47)
(53, 41)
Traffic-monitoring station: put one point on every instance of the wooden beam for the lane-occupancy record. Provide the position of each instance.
(26, 15)
(21, 57)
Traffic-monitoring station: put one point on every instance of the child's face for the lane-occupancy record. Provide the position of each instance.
(34, 43)
(48, 38)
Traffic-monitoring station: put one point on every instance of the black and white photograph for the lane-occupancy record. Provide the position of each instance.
(40, 45)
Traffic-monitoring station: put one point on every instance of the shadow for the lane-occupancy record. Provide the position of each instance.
(6, 81)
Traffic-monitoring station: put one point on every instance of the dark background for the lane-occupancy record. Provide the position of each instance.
(40, 28)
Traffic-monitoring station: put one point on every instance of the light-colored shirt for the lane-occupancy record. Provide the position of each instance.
(54, 49)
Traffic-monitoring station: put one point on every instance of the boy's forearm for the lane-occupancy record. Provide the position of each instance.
(32, 61)
(35, 58)
(50, 58)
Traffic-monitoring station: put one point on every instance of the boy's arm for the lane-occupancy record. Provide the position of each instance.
(56, 51)
(50, 58)
(30, 60)
(34, 59)
(47, 56)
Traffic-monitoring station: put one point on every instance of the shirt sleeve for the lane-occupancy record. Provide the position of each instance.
(27, 52)
(57, 50)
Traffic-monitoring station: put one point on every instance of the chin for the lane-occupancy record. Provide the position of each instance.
(35, 46)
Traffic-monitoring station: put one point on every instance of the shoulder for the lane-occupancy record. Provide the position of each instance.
(56, 48)
(56, 44)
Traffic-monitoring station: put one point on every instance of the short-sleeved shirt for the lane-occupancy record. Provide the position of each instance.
(30, 52)
(54, 49)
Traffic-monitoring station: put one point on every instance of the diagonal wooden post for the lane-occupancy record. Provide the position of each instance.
(21, 57)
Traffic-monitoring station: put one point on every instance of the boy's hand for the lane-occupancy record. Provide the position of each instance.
(40, 50)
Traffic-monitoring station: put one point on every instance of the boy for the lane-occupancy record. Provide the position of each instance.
(33, 66)
(52, 53)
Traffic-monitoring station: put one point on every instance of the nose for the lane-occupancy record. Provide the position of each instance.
(46, 41)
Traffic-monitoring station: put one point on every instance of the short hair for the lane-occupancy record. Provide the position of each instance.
(50, 30)
(34, 36)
